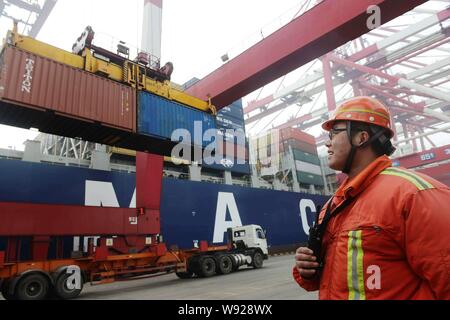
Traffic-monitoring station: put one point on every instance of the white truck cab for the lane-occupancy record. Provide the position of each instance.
(250, 236)
(247, 247)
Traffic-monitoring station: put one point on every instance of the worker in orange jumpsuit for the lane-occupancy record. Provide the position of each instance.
(385, 234)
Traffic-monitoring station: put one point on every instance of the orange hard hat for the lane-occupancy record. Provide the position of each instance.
(362, 109)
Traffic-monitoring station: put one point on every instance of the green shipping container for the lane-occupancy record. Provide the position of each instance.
(309, 178)
(306, 157)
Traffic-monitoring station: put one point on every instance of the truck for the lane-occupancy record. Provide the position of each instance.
(128, 242)
(65, 278)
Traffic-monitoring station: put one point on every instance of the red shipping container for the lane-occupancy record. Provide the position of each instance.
(37, 83)
(296, 134)
(299, 145)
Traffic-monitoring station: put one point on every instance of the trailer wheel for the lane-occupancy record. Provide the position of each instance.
(5, 291)
(224, 264)
(258, 259)
(184, 275)
(32, 287)
(207, 267)
(62, 290)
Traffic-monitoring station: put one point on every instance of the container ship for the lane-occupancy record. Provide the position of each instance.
(198, 202)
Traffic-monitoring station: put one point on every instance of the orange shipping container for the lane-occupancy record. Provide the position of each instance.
(30, 83)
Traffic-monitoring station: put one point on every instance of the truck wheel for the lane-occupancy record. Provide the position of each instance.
(62, 290)
(184, 275)
(234, 264)
(207, 267)
(257, 261)
(5, 291)
(224, 264)
(32, 287)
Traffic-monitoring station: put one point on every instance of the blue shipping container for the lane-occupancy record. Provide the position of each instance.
(223, 135)
(159, 117)
(237, 116)
(232, 111)
(228, 164)
(228, 121)
(227, 124)
(237, 104)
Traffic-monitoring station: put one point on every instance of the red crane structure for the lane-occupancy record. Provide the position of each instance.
(294, 45)
(400, 68)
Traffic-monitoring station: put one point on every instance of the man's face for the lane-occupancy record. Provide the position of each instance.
(338, 146)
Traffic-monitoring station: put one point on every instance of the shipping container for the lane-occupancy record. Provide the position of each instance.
(237, 104)
(222, 125)
(231, 149)
(232, 136)
(159, 117)
(226, 118)
(59, 99)
(306, 157)
(227, 124)
(226, 163)
(299, 145)
(235, 109)
(231, 111)
(297, 134)
(266, 153)
(309, 178)
(265, 141)
(308, 167)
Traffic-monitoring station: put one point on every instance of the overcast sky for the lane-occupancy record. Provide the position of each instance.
(195, 33)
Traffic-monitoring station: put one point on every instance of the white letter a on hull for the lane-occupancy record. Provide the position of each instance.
(225, 202)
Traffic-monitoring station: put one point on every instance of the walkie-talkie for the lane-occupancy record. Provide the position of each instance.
(317, 231)
(315, 239)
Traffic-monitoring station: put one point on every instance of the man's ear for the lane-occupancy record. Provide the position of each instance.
(363, 137)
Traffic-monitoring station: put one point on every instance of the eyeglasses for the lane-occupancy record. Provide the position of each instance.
(334, 132)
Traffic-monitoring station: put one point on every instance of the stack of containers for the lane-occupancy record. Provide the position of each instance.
(264, 159)
(232, 151)
(305, 154)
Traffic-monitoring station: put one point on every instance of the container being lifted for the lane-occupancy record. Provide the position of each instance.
(94, 96)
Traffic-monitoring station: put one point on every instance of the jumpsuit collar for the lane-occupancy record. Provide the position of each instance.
(350, 188)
